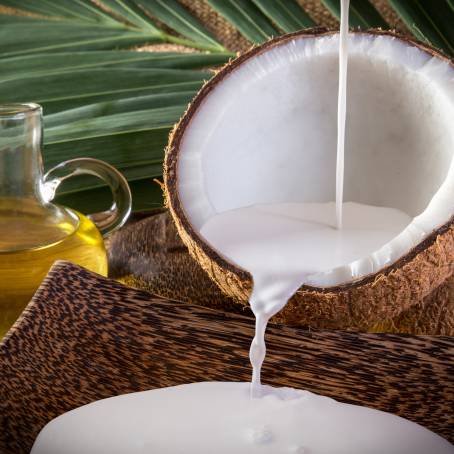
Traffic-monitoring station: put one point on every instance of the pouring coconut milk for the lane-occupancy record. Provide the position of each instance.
(283, 246)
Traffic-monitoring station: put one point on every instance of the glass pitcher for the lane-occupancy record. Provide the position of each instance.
(35, 232)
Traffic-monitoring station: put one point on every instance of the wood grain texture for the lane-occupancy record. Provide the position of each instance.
(84, 337)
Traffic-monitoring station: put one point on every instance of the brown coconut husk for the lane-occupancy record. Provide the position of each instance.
(357, 305)
(432, 316)
(149, 254)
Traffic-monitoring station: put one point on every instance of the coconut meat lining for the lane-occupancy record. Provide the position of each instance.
(267, 134)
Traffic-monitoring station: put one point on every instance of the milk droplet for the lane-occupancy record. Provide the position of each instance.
(260, 435)
(298, 450)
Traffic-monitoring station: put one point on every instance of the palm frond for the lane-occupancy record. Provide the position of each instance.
(287, 16)
(171, 13)
(105, 100)
(57, 92)
(26, 35)
(69, 9)
(362, 14)
(146, 195)
(247, 18)
(44, 65)
(130, 23)
(429, 21)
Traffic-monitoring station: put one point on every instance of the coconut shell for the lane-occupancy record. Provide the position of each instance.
(434, 315)
(149, 254)
(357, 305)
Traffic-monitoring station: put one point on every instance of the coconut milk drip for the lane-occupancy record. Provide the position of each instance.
(283, 245)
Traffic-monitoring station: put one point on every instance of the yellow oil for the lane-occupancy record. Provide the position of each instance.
(31, 240)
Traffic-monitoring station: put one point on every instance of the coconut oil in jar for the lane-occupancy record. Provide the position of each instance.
(31, 241)
(34, 233)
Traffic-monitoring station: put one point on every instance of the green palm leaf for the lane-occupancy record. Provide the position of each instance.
(103, 99)
(362, 14)
(69, 9)
(171, 13)
(118, 123)
(56, 63)
(146, 195)
(98, 110)
(131, 13)
(429, 21)
(121, 150)
(68, 90)
(288, 16)
(25, 35)
(68, 29)
(247, 18)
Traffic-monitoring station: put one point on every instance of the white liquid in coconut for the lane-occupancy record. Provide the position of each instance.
(287, 256)
(282, 246)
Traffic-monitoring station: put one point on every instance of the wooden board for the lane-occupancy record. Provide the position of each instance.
(84, 337)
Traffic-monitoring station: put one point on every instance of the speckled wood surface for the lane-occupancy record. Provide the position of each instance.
(84, 338)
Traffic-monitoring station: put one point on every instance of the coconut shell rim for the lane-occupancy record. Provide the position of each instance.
(172, 153)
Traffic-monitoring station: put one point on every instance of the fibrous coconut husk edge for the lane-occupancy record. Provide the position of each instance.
(355, 305)
(149, 254)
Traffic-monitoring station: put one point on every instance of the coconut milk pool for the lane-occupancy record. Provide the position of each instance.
(220, 418)
(282, 246)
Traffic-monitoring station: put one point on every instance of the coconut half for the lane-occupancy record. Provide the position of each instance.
(263, 130)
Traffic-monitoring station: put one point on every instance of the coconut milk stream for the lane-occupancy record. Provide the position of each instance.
(283, 245)
(341, 110)
(269, 252)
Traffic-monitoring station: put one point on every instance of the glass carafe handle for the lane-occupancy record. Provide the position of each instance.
(106, 221)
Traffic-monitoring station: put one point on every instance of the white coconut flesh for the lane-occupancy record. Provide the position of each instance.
(266, 134)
